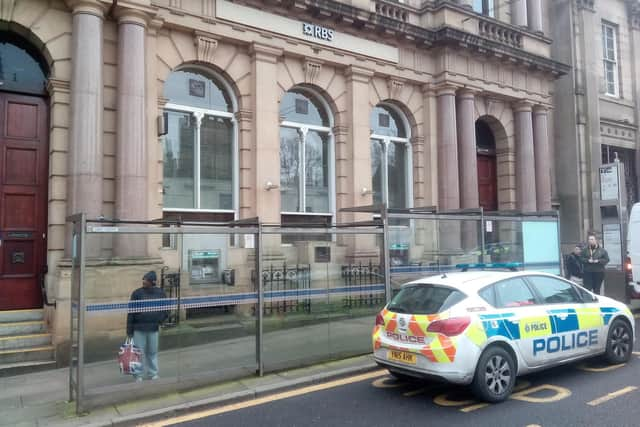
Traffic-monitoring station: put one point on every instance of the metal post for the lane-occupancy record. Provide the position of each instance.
(482, 230)
(260, 314)
(385, 253)
(81, 313)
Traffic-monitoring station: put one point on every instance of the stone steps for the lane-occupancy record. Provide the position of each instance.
(25, 345)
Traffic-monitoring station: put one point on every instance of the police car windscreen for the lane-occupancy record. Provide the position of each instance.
(425, 299)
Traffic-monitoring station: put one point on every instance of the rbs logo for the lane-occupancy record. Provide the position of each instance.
(317, 32)
(566, 342)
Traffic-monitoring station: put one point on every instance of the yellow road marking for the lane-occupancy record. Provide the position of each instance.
(418, 391)
(387, 382)
(605, 369)
(560, 393)
(266, 399)
(443, 400)
(534, 425)
(613, 395)
(474, 407)
(637, 353)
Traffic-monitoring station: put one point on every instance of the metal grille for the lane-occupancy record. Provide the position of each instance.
(296, 278)
(358, 276)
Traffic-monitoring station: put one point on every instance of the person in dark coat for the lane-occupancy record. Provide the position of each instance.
(573, 265)
(143, 324)
(594, 258)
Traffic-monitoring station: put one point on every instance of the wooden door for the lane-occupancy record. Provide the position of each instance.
(23, 200)
(487, 182)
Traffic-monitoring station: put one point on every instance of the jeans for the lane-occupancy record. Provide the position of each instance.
(148, 343)
(593, 280)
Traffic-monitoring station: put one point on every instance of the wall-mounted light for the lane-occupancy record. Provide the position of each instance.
(270, 186)
(365, 191)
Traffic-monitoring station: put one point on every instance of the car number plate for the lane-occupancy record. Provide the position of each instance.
(402, 356)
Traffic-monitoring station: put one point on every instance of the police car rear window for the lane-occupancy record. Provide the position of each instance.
(425, 299)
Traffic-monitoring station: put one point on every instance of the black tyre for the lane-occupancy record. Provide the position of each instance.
(495, 375)
(619, 342)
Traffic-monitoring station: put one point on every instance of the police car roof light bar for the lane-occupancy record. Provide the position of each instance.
(511, 266)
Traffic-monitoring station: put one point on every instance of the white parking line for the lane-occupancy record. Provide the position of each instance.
(613, 395)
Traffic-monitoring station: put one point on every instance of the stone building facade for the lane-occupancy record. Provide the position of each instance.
(597, 105)
(286, 110)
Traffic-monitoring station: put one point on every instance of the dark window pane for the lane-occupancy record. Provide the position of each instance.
(193, 89)
(178, 166)
(425, 299)
(513, 293)
(376, 170)
(216, 162)
(317, 172)
(397, 169)
(298, 107)
(489, 295)
(554, 291)
(19, 71)
(290, 169)
(394, 124)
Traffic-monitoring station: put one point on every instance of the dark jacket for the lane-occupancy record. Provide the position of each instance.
(147, 321)
(574, 266)
(600, 254)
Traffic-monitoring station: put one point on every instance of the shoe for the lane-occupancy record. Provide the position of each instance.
(155, 377)
(138, 379)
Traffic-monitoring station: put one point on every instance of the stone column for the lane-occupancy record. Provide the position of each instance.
(266, 131)
(534, 15)
(467, 152)
(358, 159)
(131, 161)
(448, 178)
(519, 13)
(85, 147)
(525, 163)
(542, 160)
(468, 164)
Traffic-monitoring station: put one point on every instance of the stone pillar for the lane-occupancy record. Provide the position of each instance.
(519, 13)
(468, 164)
(266, 130)
(467, 152)
(448, 179)
(534, 15)
(525, 163)
(358, 155)
(85, 147)
(131, 161)
(542, 160)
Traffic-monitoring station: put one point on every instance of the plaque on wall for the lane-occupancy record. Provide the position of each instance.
(196, 88)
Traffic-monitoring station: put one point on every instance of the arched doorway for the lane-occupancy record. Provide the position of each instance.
(23, 173)
(487, 166)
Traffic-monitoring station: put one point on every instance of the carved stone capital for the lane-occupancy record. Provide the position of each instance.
(205, 47)
(395, 87)
(312, 69)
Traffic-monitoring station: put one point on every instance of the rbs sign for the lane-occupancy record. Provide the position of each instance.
(557, 343)
(317, 32)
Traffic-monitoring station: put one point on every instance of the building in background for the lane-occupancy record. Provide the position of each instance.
(289, 110)
(597, 105)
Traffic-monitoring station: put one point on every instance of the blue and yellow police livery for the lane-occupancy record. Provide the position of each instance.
(486, 328)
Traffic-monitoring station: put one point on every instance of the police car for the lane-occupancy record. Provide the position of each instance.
(485, 328)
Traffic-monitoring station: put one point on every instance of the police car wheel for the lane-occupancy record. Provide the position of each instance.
(495, 375)
(619, 342)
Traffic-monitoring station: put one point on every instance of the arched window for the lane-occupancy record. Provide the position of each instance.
(306, 154)
(21, 67)
(390, 158)
(199, 144)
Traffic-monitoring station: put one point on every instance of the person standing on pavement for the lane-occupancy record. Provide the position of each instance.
(574, 265)
(144, 326)
(594, 258)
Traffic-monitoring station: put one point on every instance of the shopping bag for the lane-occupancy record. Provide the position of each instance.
(130, 358)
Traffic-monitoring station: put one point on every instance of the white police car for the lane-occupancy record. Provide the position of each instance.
(485, 328)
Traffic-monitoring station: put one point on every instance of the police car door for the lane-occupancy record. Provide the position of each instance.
(524, 318)
(575, 330)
